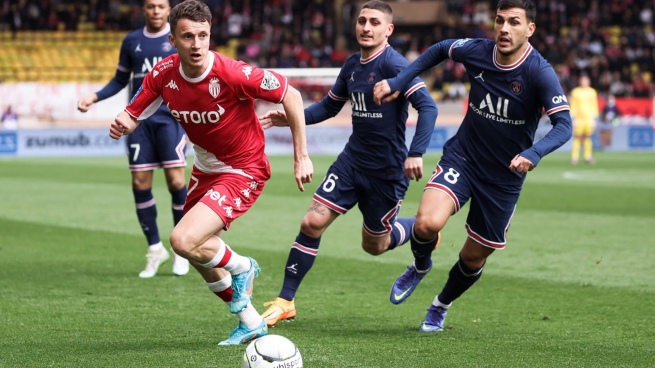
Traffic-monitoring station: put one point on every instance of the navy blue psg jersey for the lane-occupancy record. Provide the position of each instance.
(504, 107)
(377, 144)
(140, 51)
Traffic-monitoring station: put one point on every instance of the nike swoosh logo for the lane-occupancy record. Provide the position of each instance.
(398, 297)
(248, 338)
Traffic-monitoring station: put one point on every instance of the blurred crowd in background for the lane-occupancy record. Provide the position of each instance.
(610, 40)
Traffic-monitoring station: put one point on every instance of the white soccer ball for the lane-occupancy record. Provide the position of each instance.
(272, 351)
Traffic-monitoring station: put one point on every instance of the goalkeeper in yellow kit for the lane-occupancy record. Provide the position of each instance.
(584, 111)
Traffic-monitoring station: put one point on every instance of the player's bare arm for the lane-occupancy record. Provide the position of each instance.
(84, 103)
(273, 118)
(293, 107)
(123, 124)
(521, 164)
(382, 92)
(414, 168)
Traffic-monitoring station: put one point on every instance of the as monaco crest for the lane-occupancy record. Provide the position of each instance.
(214, 87)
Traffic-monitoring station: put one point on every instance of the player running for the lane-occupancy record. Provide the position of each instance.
(160, 142)
(375, 167)
(212, 97)
(487, 159)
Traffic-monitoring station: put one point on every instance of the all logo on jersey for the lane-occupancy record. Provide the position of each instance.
(166, 46)
(247, 70)
(214, 87)
(138, 48)
(516, 87)
(172, 85)
(495, 109)
(500, 106)
(371, 78)
(155, 73)
(269, 82)
(149, 65)
(358, 101)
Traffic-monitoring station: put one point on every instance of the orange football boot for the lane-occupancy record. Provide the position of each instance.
(279, 310)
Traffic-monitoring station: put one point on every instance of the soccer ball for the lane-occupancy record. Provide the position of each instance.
(271, 351)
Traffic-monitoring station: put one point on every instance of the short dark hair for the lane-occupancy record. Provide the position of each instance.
(379, 5)
(193, 10)
(527, 5)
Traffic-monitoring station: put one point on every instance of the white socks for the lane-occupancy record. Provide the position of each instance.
(156, 247)
(437, 303)
(228, 260)
(250, 317)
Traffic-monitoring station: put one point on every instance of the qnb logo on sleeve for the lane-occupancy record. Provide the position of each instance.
(197, 117)
(559, 99)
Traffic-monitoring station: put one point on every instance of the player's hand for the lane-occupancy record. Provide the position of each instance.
(381, 92)
(273, 118)
(304, 170)
(84, 103)
(118, 128)
(520, 164)
(414, 168)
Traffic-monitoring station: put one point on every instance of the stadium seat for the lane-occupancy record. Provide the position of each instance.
(59, 56)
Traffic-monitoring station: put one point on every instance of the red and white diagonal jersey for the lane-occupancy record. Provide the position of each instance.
(215, 109)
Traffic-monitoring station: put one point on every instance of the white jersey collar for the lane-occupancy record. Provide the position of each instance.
(370, 58)
(210, 65)
(163, 32)
(517, 63)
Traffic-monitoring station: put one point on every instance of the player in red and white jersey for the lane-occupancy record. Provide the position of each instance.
(212, 97)
(216, 106)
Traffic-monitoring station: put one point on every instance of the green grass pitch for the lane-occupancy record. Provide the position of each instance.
(574, 288)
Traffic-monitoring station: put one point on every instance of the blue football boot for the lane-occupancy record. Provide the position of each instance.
(434, 319)
(242, 285)
(242, 334)
(406, 283)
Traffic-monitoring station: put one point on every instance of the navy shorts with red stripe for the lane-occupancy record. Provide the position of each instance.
(492, 205)
(378, 199)
(157, 144)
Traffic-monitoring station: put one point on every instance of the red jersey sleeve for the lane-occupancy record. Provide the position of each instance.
(147, 99)
(254, 83)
